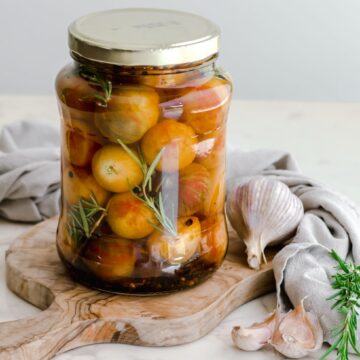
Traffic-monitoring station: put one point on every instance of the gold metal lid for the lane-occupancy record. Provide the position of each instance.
(149, 37)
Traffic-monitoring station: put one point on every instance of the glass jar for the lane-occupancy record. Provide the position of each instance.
(143, 110)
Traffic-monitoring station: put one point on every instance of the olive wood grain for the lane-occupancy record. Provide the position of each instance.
(74, 316)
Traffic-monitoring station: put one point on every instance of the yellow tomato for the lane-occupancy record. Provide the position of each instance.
(115, 170)
(129, 217)
(176, 141)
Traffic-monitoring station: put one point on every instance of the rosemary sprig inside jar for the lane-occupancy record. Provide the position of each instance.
(96, 79)
(146, 192)
(84, 218)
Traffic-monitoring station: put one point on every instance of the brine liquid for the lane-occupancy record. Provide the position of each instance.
(143, 177)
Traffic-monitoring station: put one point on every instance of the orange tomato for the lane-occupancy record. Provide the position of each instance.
(110, 257)
(75, 94)
(205, 107)
(210, 150)
(80, 150)
(214, 200)
(129, 217)
(193, 185)
(176, 140)
(214, 240)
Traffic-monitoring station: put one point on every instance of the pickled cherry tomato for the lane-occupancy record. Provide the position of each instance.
(176, 141)
(214, 200)
(205, 107)
(75, 92)
(129, 217)
(193, 185)
(115, 170)
(214, 240)
(110, 257)
(130, 112)
(78, 183)
(80, 150)
(211, 149)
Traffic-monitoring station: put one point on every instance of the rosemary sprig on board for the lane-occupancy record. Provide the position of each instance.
(347, 283)
(84, 218)
(145, 192)
(96, 79)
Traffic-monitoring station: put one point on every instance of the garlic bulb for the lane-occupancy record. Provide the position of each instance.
(263, 212)
(256, 336)
(297, 334)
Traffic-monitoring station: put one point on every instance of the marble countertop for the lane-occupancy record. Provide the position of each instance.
(322, 136)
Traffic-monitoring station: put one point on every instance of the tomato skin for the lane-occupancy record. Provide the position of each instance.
(80, 150)
(75, 94)
(176, 140)
(193, 185)
(129, 217)
(205, 108)
(110, 257)
(130, 112)
(115, 170)
(214, 239)
(78, 183)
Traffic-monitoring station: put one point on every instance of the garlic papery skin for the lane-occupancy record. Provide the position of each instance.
(263, 212)
(256, 336)
(297, 334)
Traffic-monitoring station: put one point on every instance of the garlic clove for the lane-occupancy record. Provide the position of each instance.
(297, 334)
(256, 336)
(263, 212)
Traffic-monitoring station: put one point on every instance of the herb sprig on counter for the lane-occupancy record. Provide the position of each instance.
(84, 218)
(145, 192)
(96, 79)
(346, 282)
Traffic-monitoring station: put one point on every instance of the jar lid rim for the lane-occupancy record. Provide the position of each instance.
(144, 36)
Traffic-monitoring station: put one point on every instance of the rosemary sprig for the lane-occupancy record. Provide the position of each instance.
(84, 218)
(347, 283)
(95, 78)
(152, 198)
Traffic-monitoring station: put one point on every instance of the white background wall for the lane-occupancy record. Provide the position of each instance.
(275, 49)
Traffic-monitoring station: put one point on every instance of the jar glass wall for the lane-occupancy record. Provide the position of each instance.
(143, 175)
(143, 110)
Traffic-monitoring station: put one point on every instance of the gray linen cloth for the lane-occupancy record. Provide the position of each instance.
(29, 171)
(29, 191)
(303, 269)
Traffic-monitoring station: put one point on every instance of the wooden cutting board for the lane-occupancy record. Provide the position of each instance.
(75, 316)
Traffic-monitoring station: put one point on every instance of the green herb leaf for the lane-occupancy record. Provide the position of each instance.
(152, 199)
(84, 218)
(347, 283)
(95, 78)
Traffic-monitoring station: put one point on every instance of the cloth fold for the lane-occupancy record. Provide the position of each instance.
(303, 268)
(29, 171)
(29, 191)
